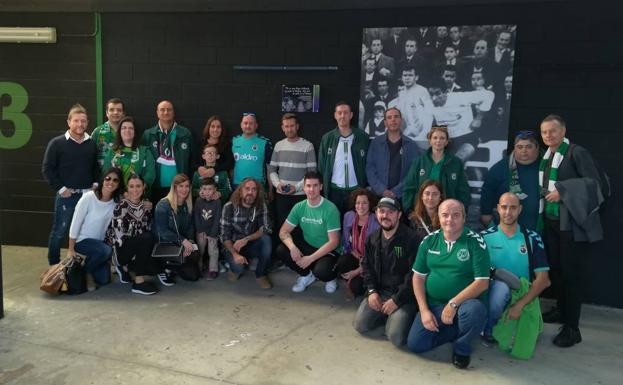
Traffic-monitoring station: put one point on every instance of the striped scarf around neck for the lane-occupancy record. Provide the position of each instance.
(551, 209)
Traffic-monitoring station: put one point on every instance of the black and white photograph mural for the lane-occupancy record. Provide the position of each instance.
(459, 76)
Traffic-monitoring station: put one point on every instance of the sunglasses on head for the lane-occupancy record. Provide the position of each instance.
(525, 134)
(111, 179)
(248, 114)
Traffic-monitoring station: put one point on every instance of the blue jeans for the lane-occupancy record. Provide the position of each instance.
(499, 297)
(63, 213)
(466, 326)
(98, 254)
(261, 249)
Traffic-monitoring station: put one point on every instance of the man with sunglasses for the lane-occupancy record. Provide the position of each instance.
(517, 173)
(252, 153)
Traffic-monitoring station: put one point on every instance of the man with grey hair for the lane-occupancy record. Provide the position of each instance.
(517, 173)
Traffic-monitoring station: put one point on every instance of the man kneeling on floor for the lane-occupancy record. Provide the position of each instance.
(520, 252)
(451, 273)
(245, 232)
(389, 255)
(313, 253)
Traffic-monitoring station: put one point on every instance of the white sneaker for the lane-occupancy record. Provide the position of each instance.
(331, 286)
(302, 282)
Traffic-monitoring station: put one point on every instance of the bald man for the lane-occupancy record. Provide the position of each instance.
(519, 251)
(451, 273)
(171, 145)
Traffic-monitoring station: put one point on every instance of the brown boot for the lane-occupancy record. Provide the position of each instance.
(232, 277)
(264, 282)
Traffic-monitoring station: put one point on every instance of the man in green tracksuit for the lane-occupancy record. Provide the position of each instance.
(104, 136)
(342, 158)
(171, 146)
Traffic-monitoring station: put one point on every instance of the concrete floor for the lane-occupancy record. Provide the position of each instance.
(219, 332)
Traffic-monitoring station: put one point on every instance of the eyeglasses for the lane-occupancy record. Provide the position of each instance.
(525, 134)
(111, 179)
(248, 114)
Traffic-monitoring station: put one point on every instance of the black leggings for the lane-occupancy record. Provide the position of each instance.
(346, 263)
(136, 253)
(323, 267)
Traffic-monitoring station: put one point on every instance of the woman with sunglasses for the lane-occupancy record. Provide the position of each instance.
(89, 223)
(437, 164)
(128, 155)
(130, 234)
(216, 133)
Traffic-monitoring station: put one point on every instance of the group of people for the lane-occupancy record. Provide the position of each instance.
(385, 219)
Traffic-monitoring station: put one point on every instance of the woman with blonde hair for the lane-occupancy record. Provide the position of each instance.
(173, 220)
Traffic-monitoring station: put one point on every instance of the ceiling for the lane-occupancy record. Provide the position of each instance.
(231, 5)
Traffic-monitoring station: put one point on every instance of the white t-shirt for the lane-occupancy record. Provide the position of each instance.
(343, 159)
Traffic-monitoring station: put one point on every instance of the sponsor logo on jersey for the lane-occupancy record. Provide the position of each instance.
(437, 252)
(462, 255)
(312, 221)
(247, 157)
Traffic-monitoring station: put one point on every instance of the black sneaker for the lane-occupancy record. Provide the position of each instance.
(166, 278)
(124, 276)
(488, 341)
(459, 361)
(144, 288)
(552, 316)
(567, 337)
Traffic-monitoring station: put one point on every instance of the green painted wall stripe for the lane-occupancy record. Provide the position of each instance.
(99, 86)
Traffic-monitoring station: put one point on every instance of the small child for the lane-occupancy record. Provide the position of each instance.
(207, 212)
(210, 155)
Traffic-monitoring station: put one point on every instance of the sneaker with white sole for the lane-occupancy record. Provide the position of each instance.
(144, 288)
(166, 278)
(302, 282)
(124, 276)
(331, 286)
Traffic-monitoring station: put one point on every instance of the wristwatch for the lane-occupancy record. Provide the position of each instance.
(453, 305)
(371, 291)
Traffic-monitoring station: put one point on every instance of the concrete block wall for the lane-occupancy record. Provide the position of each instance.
(569, 60)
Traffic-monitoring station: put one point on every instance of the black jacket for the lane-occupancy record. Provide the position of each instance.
(402, 251)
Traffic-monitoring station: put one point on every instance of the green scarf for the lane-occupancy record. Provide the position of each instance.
(551, 209)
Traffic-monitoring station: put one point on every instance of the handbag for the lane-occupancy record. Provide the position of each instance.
(54, 280)
(171, 251)
(75, 276)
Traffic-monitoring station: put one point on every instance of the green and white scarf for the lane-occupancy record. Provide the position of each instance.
(551, 209)
(513, 180)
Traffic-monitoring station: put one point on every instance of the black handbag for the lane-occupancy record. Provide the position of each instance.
(75, 276)
(172, 252)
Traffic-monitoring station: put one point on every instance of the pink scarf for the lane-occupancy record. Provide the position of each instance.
(359, 239)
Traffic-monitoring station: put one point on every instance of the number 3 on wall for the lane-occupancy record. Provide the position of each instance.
(14, 113)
